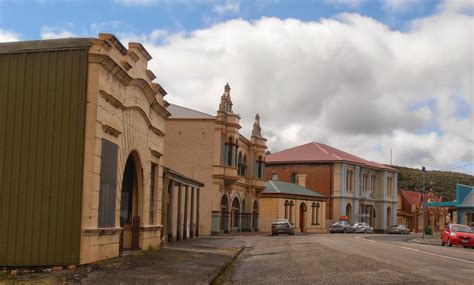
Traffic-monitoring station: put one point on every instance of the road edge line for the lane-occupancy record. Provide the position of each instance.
(416, 250)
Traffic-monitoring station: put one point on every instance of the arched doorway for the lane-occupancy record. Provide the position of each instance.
(303, 217)
(255, 216)
(235, 214)
(224, 213)
(129, 206)
(389, 216)
(349, 212)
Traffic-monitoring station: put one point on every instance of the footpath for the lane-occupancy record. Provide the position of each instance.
(193, 261)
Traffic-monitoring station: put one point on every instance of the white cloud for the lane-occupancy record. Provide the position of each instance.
(228, 7)
(8, 36)
(349, 81)
(48, 32)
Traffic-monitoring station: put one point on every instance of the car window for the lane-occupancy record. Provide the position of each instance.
(461, 228)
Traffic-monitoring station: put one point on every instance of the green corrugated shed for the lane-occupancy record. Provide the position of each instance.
(43, 87)
(278, 187)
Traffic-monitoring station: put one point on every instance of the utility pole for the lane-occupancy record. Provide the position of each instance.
(423, 169)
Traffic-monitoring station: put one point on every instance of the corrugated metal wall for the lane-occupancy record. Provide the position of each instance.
(42, 117)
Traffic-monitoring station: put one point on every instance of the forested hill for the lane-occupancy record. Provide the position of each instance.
(442, 182)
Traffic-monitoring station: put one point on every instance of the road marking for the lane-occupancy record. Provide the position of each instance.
(416, 250)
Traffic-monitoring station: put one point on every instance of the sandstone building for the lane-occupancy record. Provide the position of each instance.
(211, 149)
(362, 190)
(304, 208)
(82, 128)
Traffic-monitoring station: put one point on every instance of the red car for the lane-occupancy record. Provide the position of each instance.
(455, 234)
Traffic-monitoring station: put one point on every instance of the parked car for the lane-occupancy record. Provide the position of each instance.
(398, 229)
(341, 227)
(282, 226)
(455, 234)
(363, 228)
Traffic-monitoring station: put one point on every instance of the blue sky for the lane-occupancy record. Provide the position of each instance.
(85, 18)
(366, 76)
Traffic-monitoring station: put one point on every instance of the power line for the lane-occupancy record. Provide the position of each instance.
(459, 166)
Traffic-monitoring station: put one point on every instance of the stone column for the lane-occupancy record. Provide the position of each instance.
(170, 213)
(178, 221)
(185, 224)
(191, 219)
(197, 212)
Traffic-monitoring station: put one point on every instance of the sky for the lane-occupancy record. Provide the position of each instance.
(367, 77)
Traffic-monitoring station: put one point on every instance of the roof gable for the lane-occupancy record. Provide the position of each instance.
(180, 112)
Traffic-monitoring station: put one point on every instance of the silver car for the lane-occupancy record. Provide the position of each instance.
(341, 227)
(399, 229)
(282, 226)
(363, 228)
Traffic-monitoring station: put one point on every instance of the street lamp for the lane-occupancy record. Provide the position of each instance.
(423, 169)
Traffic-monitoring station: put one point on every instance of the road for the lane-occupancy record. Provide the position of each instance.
(348, 259)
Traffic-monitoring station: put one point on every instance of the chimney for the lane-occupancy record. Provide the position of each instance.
(301, 180)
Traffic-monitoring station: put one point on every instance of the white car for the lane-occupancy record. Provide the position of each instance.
(363, 228)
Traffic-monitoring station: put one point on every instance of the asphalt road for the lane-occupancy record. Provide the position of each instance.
(348, 259)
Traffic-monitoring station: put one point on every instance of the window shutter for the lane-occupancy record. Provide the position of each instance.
(108, 184)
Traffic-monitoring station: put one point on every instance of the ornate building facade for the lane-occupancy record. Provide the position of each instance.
(92, 149)
(212, 150)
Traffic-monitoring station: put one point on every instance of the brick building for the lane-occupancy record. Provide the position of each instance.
(409, 212)
(363, 190)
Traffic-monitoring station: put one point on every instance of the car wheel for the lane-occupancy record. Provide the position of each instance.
(465, 246)
(276, 234)
(449, 243)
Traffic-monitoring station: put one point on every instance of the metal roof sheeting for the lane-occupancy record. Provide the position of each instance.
(179, 112)
(278, 187)
(317, 152)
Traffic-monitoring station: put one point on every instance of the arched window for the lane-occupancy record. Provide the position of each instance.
(260, 167)
(313, 213)
(349, 180)
(244, 166)
(291, 211)
(317, 214)
(349, 212)
(239, 165)
(287, 205)
(235, 212)
(230, 149)
(224, 212)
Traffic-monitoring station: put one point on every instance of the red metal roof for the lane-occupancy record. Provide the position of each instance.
(415, 197)
(317, 152)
